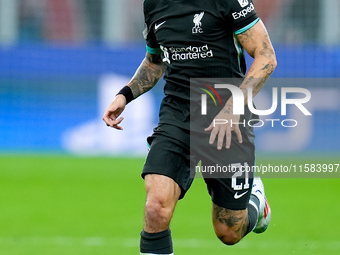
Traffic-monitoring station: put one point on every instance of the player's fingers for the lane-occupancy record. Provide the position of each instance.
(118, 127)
(220, 139)
(213, 135)
(107, 121)
(228, 138)
(210, 127)
(238, 134)
(107, 118)
(115, 123)
(112, 121)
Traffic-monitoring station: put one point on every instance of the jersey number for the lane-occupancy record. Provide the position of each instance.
(240, 170)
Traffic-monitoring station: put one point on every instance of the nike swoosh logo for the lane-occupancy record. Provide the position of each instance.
(158, 25)
(237, 196)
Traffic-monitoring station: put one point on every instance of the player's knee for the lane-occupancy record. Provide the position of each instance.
(229, 237)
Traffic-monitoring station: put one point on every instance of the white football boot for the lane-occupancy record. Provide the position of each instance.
(264, 210)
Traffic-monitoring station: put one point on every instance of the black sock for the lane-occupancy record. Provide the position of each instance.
(253, 212)
(156, 243)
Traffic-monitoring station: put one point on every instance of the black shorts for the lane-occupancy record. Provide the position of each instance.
(172, 155)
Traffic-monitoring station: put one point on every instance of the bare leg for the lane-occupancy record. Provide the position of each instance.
(230, 225)
(162, 194)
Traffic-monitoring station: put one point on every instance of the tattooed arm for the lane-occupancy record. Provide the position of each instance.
(257, 43)
(147, 75)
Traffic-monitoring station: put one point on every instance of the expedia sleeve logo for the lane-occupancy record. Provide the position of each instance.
(243, 3)
(244, 12)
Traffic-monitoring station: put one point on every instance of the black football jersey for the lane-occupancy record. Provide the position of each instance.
(196, 38)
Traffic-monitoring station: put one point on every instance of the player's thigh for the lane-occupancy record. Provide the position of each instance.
(169, 160)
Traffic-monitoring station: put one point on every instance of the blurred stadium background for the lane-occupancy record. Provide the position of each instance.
(62, 62)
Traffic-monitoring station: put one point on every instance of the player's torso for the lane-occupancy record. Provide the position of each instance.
(195, 37)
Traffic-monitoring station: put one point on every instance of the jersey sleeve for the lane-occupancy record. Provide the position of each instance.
(152, 46)
(242, 15)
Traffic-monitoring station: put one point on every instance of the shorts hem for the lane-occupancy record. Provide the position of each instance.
(183, 191)
(230, 206)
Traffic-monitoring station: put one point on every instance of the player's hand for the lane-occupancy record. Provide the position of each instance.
(222, 126)
(113, 111)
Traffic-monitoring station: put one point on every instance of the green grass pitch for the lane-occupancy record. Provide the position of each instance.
(65, 205)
